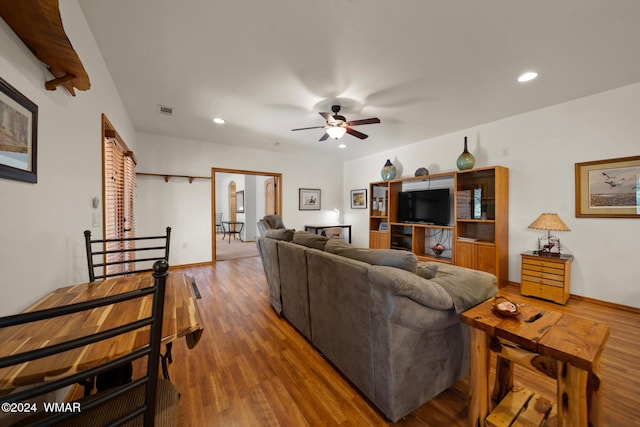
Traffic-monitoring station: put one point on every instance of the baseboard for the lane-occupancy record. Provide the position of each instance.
(197, 264)
(608, 304)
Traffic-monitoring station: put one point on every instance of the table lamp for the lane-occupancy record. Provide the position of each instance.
(549, 222)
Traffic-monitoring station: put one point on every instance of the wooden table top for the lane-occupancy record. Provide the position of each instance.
(181, 319)
(561, 336)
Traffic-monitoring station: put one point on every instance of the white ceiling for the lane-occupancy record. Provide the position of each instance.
(424, 67)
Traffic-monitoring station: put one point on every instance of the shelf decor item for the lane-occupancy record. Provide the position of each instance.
(422, 172)
(549, 221)
(437, 249)
(465, 160)
(388, 171)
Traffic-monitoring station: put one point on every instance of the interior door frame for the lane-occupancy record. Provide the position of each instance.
(277, 176)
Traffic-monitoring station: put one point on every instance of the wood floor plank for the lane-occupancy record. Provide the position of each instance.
(252, 368)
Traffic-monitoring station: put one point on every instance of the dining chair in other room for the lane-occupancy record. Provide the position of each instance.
(218, 222)
(333, 232)
(146, 401)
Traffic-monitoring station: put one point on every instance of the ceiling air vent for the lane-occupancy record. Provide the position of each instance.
(163, 109)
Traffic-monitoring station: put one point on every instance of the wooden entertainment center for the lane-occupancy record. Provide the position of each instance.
(477, 235)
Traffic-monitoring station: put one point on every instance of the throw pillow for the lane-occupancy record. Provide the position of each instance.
(428, 271)
(280, 234)
(309, 239)
(385, 257)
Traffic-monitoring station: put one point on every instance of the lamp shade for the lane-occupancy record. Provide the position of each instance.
(549, 221)
(336, 132)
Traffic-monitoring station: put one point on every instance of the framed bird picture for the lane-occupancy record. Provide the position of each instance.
(608, 188)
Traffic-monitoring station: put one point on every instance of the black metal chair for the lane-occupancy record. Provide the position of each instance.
(146, 400)
(119, 256)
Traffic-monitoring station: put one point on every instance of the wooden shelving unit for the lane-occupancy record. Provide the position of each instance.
(477, 234)
(482, 220)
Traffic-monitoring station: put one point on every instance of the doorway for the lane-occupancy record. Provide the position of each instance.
(271, 190)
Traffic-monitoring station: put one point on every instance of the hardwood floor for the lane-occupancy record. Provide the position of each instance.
(252, 368)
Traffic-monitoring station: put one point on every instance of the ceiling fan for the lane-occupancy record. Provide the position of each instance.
(337, 125)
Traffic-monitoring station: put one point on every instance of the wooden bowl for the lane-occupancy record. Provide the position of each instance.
(505, 307)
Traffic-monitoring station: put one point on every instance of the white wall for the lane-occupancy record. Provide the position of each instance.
(187, 207)
(41, 225)
(540, 149)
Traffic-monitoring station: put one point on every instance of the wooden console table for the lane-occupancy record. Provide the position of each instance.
(560, 346)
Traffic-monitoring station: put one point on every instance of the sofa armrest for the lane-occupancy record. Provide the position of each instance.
(403, 283)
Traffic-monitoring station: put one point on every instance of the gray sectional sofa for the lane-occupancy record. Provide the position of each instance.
(394, 334)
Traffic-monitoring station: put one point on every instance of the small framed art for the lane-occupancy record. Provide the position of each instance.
(309, 199)
(359, 199)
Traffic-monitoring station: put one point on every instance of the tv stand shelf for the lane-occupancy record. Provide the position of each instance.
(477, 234)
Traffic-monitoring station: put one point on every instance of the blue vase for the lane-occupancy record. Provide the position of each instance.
(388, 171)
(465, 160)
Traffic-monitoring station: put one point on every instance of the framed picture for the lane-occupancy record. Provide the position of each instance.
(608, 188)
(359, 199)
(18, 135)
(309, 199)
(240, 201)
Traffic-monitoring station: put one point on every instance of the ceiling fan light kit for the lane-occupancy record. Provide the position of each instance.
(337, 125)
(336, 132)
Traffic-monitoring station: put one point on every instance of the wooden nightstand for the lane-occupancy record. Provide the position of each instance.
(547, 277)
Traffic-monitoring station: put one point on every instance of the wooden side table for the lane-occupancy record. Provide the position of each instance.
(546, 277)
(560, 346)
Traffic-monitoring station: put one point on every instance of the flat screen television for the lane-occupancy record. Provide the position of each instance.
(424, 206)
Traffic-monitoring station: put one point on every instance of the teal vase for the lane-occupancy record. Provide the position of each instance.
(466, 159)
(388, 171)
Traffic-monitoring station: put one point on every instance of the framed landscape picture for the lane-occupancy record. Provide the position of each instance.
(18, 135)
(608, 188)
(309, 199)
(359, 199)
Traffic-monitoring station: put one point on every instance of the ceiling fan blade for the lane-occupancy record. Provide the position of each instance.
(324, 137)
(328, 117)
(357, 134)
(370, 121)
(312, 127)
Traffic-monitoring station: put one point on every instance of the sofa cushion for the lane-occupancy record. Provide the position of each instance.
(285, 234)
(427, 270)
(386, 257)
(310, 240)
(467, 287)
(274, 221)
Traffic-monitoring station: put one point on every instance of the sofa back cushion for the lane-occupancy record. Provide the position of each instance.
(274, 221)
(293, 286)
(310, 240)
(387, 257)
(285, 234)
(340, 308)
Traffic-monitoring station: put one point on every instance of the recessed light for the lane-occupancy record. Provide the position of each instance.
(342, 146)
(529, 75)
(218, 120)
